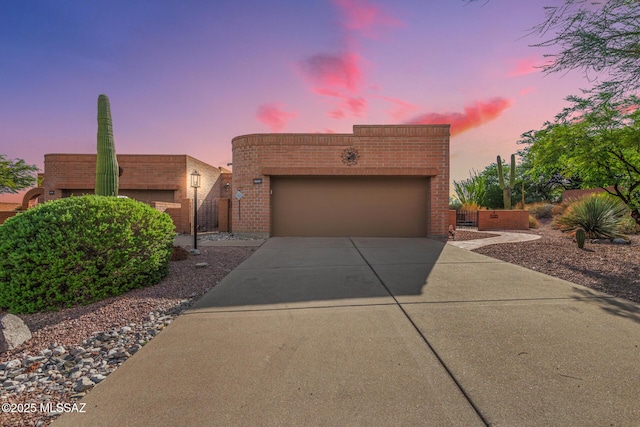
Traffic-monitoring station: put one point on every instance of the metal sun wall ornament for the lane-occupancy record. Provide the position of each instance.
(350, 156)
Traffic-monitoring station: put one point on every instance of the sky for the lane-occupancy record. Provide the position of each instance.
(185, 77)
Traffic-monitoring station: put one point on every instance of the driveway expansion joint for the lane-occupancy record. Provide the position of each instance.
(426, 341)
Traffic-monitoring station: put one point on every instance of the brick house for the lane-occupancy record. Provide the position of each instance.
(159, 180)
(381, 180)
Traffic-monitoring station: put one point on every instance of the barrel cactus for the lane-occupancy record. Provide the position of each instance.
(580, 237)
(107, 171)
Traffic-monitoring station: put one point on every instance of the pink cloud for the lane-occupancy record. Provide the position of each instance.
(272, 116)
(356, 106)
(527, 90)
(473, 116)
(333, 71)
(336, 114)
(363, 17)
(402, 108)
(524, 66)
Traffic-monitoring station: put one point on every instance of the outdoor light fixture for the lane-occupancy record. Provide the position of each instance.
(195, 179)
(227, 186)
(195, 183)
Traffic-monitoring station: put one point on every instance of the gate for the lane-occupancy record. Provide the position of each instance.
(466, 219)
(207, 215)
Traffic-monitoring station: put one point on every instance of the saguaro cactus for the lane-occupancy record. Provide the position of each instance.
(506, 189)
(106, 162)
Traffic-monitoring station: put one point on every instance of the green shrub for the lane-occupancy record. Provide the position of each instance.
(79, 250)
(599, 215)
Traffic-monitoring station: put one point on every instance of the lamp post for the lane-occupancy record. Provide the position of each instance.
(195, 183)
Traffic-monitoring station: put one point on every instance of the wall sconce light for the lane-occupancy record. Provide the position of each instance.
(52, 192)
(227, 186)
(257, 180)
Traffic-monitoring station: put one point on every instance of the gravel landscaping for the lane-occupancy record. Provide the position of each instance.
(73, 349)
(604, 266)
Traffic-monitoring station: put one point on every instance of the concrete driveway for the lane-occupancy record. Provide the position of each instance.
(373, 331)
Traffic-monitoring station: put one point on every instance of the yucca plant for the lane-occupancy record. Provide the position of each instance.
(599, 215)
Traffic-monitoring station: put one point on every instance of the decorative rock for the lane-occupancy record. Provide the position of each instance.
(13, 332)
(12, 364)
(96, 378)
(31, 360)
(83, 384)
(619, 241)
(202, 264)
(60, 350)
(195, 251)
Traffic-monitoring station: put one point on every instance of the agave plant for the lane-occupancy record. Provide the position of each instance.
(599, 215)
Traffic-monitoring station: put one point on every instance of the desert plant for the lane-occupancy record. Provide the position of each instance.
(107, 171)
(558, 209)
(506, 188)
(628, 226)
(471, 190)
(599, 215)
(580, 237)
(533, 222)
(541, 210)
(79, 250)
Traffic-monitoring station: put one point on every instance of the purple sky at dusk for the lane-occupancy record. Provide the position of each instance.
(186, 77)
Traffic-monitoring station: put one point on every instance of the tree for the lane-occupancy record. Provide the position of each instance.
(595, 141)
(15, 175)
(596, 37)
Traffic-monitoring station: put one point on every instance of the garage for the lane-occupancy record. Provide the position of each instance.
(330, 206)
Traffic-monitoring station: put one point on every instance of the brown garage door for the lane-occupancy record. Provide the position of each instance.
(350, 206)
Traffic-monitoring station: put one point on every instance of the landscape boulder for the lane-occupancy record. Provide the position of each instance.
(13, 332)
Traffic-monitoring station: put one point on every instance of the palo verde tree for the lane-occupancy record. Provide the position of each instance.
(107, 171)
(595, 141)
(15, 175)
(600, 38)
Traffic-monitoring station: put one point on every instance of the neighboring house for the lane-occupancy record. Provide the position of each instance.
(381, 180)
(30, 199)
(162, 181)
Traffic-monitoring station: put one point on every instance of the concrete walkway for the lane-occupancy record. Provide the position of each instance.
(371, 331)
(504, 237)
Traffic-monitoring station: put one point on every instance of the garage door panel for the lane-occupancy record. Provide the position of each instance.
(349, 206)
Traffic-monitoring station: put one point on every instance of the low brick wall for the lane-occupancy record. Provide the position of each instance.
(503, 220)
(4, 215)
(569, 195)
(451, 218)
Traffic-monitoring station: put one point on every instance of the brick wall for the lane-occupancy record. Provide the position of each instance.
(224, 208)
(385, 150)
(4, 215)
(568, 195)
(503, 220)
(146, 177)
(452, 218)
